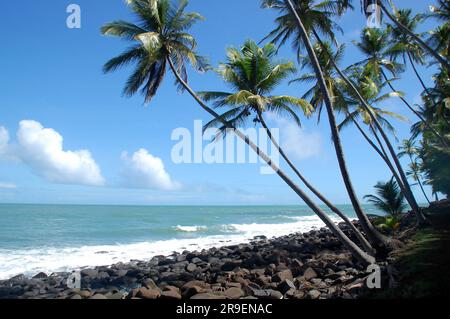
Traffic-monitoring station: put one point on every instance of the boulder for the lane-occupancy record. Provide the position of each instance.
(234, 293)
(283, 275)
(146, 293)
(309, 274)
(171, 295)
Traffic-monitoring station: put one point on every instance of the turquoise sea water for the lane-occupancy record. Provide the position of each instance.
(50, 238)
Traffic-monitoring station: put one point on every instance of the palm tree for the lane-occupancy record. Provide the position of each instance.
(294, 24)
(374, 45)
(161, 38)
(374, 118)
(409, 148)
(253, 74)
(402, 46)
(414, 173)
(353, 88)
(443, 61)
(388, 198)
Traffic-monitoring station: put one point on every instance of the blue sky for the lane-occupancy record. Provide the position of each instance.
(52, 79)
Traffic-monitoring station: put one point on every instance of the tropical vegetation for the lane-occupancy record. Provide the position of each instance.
(353, 96)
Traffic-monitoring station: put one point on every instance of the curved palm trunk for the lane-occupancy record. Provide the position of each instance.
(428, 125)
(372, 233)
(422, 43)
(408, 193)
(362, 256)
(382, 153)
(364, 243)
(417, 177)
(417, 73)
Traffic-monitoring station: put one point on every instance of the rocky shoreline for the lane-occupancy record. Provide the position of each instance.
(312, 265)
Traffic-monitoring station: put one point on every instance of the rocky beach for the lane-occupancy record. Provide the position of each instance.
(312, 265)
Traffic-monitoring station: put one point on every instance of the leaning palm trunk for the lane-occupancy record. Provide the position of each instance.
(382, 153)
(417, 73)
(424, 121)
(364, 243)
(419, 182)
(414, 36)
(362, 256)
(407, 189)
(374, 236)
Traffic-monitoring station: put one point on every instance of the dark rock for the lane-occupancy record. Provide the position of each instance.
(283, 275)
(285, 286)
(89, 272)
(231, 265)
(40, 275)
(191, 267)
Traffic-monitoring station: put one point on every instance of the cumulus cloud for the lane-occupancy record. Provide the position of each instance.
(143, 170)
(297, 142)
(42, 150)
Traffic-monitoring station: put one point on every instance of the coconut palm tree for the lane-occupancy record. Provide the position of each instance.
(414, 173)
(374, 44)
(409, 148)
(253, 73)
(301, 33)
(442, 60)
(388, 198)
(161, 38)
(402, 47)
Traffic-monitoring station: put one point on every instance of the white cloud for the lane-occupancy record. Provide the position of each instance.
(143, 170)
(7, 186)
(42, 150)
(297, 142)
(4, 140)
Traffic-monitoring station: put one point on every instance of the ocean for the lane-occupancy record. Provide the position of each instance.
(52, 238)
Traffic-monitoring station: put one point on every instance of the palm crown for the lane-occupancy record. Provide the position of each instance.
(316, 16)
(160, 36)
(388, 198)
(372, 93)
(253, 74)
(402, 44)
(374, 45)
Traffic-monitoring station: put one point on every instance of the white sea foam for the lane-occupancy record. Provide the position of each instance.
(31, 262)
(190, 229)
